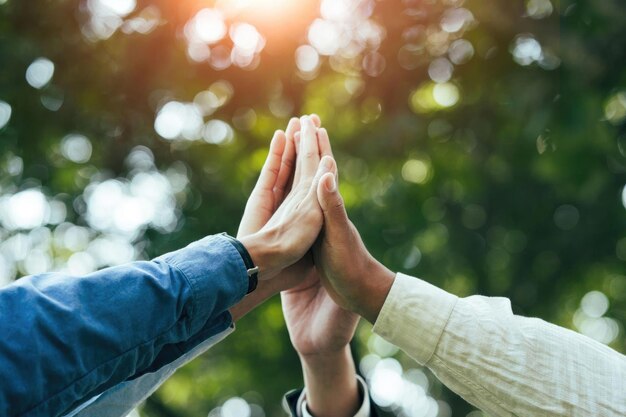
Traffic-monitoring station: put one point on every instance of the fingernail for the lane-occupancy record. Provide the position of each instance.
(327, 164)
(331, 185)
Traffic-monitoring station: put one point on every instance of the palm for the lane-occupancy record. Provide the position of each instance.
(315, 323)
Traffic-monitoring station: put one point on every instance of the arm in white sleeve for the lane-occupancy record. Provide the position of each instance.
(506, 365)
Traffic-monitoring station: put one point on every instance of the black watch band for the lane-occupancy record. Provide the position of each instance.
(253, 270)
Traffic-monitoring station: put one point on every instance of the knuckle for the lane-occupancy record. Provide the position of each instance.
(288, 163)
(337, 206)
(273, 170)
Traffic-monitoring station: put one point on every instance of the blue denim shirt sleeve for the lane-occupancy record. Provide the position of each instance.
(121, 399)
(66, 339)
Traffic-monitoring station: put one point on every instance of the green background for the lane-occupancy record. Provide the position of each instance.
(513, 189)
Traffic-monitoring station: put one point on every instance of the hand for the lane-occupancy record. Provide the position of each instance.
(316, 324)
(293, 228)
(269, 192)
(353, 278)
(321, 331)
(274, 183)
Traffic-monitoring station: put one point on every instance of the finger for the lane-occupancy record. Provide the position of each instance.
(296, 141)
(324, 143)
(285, 173)
(316, 120)
(289, 186)
(335, 216)
(326, 165)
(309, 157)
(271, 168)
(292, 127)
(297, 138)
(325, 149)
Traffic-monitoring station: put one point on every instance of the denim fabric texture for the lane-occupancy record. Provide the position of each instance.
(121, 399)
(67, 339)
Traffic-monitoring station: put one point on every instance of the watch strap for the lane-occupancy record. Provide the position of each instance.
(252, 270)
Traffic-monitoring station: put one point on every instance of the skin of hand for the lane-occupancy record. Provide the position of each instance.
(274, 183)
(354, 279)
(293, 227)
(321, 331)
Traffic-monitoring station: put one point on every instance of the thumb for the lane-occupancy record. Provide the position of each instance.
(331, 202)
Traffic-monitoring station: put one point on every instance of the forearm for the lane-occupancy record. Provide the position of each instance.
(69, 338)
(502, 363)
(121, 399)
(331, 384)
(526, 366)
(265, 290)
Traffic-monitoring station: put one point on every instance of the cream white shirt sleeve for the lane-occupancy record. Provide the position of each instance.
(504, 364)
(364, 410)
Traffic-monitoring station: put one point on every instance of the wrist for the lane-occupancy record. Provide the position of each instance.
(331, 384)
(265, 290)
(263, 252)
(324, 360)
(375, 283)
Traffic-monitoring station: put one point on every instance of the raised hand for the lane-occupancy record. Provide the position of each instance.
(321, 331)
(317, 325)
(293, 227)
(271, 187)
(353, 278)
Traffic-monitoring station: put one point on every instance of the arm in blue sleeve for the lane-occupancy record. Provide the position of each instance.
(121, 399)
(66, 339)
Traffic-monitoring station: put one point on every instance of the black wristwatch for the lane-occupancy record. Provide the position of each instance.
(253, 270)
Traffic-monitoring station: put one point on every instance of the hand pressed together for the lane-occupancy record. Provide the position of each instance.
(354, 278)
(286, 196)
(291, 230)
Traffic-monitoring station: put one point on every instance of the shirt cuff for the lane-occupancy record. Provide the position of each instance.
(414, 316)
(216, 274)
(364, 410)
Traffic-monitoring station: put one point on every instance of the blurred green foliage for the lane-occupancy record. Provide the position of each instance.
(481, 146)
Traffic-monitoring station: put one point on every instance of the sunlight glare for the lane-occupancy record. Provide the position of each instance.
(267, 7)
(5, 113)
(446, 94)
(246, 38)
(39, 73)
(119, 7)
(337, 9)
(27, 209)
(209, 25)
(324, 36)
(307, 58)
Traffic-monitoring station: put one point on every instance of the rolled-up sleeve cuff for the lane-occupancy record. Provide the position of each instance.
(216, 274)
(414, 316)
(363, 411)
